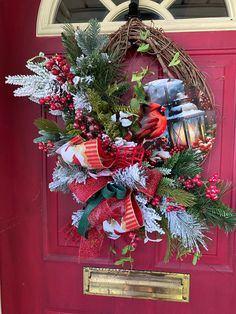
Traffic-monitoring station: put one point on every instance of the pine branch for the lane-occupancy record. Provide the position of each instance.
(118, 89)
(118, 108)
(186, 163)
(70, 44)
(166, 188)
(91, 41)
(215, 213)
(171, 162)
(98, 105)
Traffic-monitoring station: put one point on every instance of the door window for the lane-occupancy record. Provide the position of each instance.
(171, 15)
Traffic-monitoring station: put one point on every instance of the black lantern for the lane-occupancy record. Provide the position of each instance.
(186, 123)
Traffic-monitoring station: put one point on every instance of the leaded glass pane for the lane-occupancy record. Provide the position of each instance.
(74, 11)
(183, 9)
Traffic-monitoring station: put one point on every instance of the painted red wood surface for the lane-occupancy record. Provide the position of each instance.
(40, 271)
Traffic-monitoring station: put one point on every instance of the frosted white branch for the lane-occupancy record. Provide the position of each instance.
(35, 86)
(151, 218)
(76, 216)
(185, 227)
(131, 177)
(64, 175)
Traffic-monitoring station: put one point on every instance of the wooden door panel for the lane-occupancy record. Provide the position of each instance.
(40, 271)
(219, 257)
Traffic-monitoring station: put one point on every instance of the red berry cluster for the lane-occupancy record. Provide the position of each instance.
(212, 191)
(134, 238)
(178, 149)
(173, 206)
(57, 102)
(204, 146)
(45, 146)
(109, 146)
(58, 66)
(87, 125)
(156, 201)
(191, 183)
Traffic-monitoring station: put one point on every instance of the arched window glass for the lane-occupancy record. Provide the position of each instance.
(146, 15)
(167, 14)
(182, 9)
(72, 11)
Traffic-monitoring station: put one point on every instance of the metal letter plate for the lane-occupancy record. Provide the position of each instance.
(136, 284)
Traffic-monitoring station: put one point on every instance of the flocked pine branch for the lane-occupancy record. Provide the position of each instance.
(65, 174)
(130, 177)
(70, 44)
(36, 86)
(185, 227)
(151, 219)
(91, 41)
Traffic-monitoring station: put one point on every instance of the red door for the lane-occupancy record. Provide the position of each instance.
(40, 271)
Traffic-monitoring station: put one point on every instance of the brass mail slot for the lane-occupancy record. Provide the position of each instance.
(136, 284)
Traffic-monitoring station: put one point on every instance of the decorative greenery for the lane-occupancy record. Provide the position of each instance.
(118, 159)
(186, 163)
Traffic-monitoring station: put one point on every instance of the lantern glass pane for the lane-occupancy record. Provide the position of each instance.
(177, 133)
(193, 128)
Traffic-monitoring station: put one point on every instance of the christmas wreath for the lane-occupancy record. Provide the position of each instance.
(129, 150)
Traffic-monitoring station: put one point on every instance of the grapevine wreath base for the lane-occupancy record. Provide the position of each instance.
(134, 168)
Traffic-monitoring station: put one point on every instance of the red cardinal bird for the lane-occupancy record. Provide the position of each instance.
(153, 121)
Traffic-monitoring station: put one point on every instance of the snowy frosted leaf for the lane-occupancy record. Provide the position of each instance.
(131, 177)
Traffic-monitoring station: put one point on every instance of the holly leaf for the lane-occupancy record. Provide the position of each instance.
(144, 34)
(137, 77)
(143, 48)
(46, 136)
(47, 125)
(134, 104)
(127, 249)
(124, 260)
(175, 61)
(140, 94)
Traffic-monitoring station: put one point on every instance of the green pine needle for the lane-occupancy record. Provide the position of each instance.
(91, 41)
(186, 163)
(166, 188)
(70, 45)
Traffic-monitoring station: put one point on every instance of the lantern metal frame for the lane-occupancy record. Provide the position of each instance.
(201, 127)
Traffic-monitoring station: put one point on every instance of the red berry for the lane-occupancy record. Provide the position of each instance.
(59, 58)
(55, 71)
(42, 101)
